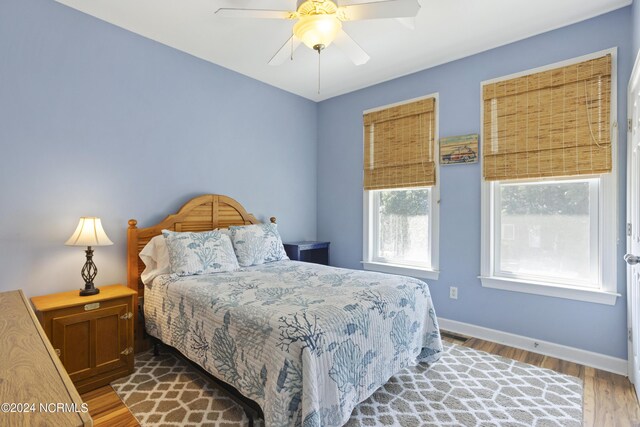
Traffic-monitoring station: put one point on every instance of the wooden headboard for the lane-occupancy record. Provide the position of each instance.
(202, 213)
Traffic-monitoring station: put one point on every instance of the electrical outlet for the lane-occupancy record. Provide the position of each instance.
(453, 292)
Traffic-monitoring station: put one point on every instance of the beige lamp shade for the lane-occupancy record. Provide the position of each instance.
(89, 233)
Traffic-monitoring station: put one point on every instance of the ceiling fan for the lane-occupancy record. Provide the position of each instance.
(319, 23)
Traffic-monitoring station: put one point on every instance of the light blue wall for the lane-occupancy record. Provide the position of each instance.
(594, 327)
(635, 16)
(95, 120)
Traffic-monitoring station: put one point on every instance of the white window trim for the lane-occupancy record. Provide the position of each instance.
(368, 262)
(608, 229)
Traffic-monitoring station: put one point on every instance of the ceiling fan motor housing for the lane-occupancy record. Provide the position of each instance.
(316, 7)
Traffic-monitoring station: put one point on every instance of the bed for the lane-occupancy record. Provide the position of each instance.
(306, 342)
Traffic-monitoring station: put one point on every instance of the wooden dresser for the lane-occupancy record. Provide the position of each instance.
(93, 335)
(31, 375)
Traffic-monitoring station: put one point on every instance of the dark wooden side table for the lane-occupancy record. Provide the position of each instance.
(316, 252)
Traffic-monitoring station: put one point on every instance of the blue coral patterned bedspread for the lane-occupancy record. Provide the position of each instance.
(306, 342)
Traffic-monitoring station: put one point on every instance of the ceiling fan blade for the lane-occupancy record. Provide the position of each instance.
(351, 48)
(380, 10)
(254, 13)
(410, 23)
(285, 51)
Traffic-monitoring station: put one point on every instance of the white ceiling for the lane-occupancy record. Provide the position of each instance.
(444, 30)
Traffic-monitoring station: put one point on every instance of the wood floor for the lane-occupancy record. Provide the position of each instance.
(609, 399)
(107, 410)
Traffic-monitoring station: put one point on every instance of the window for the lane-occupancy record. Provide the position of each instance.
(548, 231)
(401, 227)
(549, 182)
(400, 189)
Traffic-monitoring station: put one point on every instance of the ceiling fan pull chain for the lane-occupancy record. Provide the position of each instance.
(319, 50)
(292, 49)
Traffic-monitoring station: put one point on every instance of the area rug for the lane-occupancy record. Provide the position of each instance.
(466, 387)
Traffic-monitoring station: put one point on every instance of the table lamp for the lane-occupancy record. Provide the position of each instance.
(89, 233)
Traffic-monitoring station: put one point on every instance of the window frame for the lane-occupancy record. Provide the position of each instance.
(606, 290)
(370, 215)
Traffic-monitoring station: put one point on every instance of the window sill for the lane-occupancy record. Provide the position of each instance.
(404, 270)
(551, 290)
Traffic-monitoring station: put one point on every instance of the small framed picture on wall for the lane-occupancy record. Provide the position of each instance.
(459, 149)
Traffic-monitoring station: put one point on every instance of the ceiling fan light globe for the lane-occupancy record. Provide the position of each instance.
(317, 29)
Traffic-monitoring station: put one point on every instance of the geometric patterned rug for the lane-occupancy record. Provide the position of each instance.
(166, 391)
(466, 387)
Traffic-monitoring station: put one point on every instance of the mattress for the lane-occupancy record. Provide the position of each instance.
(306, 342)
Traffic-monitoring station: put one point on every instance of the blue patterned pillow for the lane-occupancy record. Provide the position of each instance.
(200, 253)
(257, 244)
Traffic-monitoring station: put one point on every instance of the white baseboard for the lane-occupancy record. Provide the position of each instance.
(571, 354)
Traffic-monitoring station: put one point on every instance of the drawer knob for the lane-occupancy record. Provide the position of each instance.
(58, 352)
(127, 316)
(127, 351)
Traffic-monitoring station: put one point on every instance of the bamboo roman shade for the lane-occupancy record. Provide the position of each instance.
(399, 146)
(551, 123)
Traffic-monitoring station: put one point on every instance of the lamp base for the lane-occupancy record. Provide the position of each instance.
(89, 290)
(89, 272)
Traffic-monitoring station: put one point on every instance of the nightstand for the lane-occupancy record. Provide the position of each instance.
(92, 335)
(316, 252)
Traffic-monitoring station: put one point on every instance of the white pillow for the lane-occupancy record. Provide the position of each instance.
(200, 253)
(155, 256)
(257, 244)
